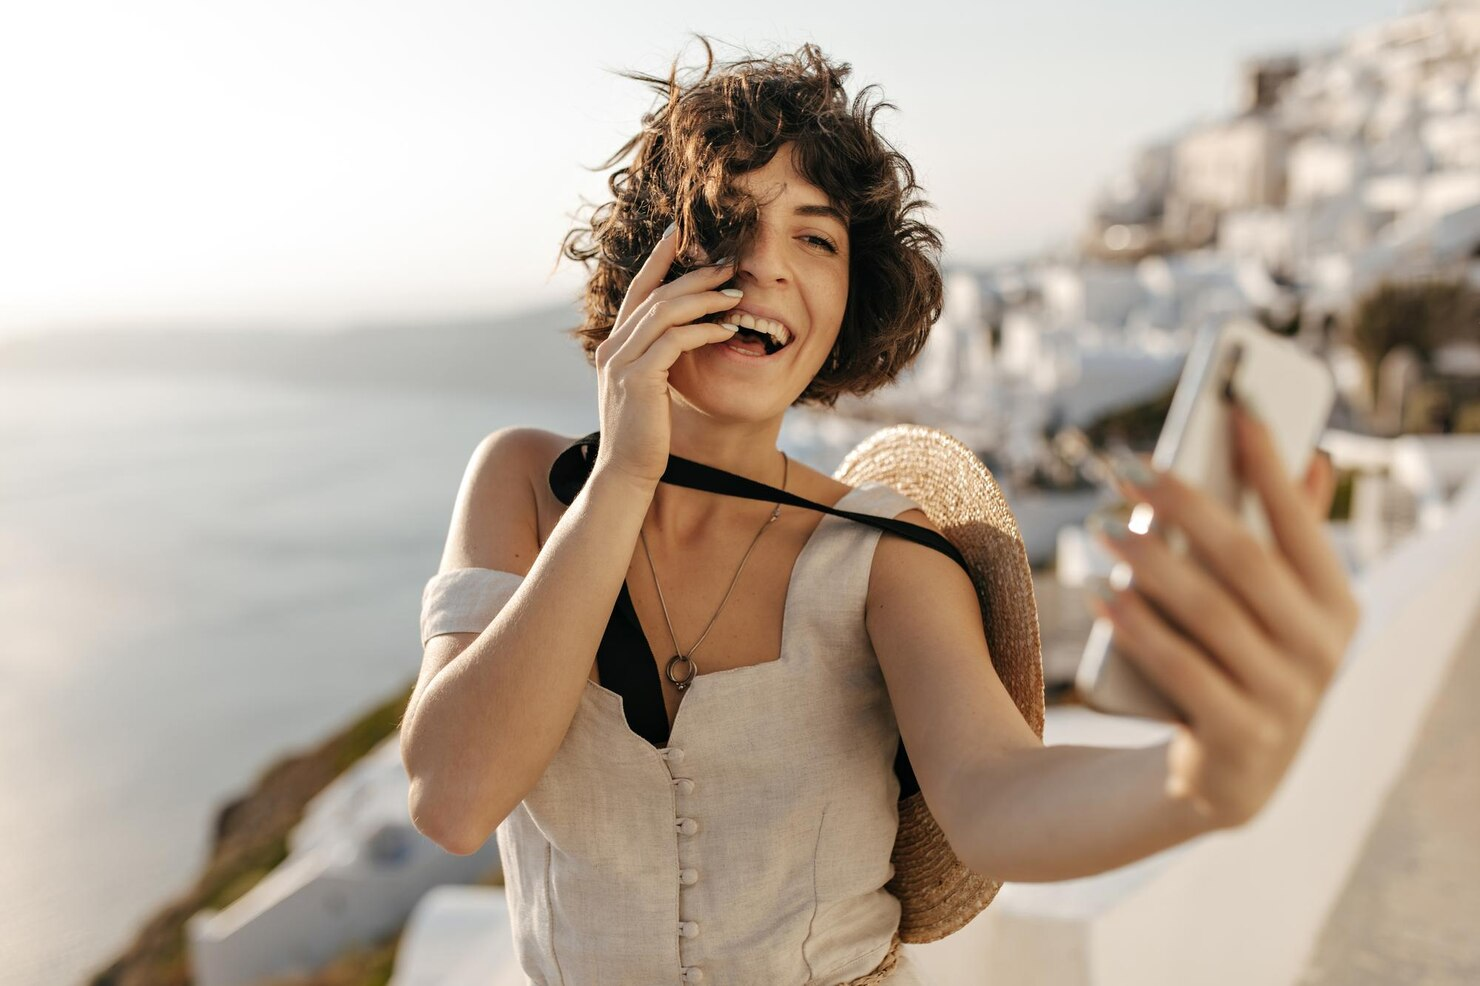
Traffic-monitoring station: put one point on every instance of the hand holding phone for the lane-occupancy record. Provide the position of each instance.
(1237, 610)
(1292, 392)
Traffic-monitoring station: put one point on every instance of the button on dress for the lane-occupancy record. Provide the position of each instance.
(753, 846)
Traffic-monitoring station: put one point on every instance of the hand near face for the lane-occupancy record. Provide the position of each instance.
(1244, 638)
(657, 323)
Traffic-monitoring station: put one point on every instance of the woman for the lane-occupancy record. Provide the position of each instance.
(740, 833)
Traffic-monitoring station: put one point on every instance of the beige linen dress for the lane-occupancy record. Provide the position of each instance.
(754, 848)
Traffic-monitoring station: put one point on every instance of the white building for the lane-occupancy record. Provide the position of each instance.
(1234, 164)
(1101, 293)
(355, 869)
(1324, 167)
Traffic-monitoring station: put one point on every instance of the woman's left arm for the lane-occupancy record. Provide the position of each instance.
(1243, 637)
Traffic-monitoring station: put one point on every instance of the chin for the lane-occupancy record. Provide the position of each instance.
(727, 399)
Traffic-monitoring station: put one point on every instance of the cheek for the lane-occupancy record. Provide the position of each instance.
(832, 297)
(821, 349)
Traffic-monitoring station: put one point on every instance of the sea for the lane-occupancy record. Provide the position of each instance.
(197, 575)
(200, 572)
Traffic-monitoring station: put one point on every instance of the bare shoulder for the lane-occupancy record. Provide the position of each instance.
(513, 455)
(542, 448)
(495, 519)
(903, 568)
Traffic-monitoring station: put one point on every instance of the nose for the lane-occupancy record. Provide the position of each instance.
(764, 261)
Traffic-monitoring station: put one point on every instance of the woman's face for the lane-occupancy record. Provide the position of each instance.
(795, 273)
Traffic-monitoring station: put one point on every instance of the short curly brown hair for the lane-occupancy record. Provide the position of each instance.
(702, 134)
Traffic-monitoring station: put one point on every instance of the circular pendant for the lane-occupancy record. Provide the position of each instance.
(683, 682)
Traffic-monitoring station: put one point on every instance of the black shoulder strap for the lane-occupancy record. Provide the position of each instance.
(574, 465)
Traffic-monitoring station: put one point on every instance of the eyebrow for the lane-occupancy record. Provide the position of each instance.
(821, 210)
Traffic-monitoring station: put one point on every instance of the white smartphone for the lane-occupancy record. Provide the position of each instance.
(1292, 392)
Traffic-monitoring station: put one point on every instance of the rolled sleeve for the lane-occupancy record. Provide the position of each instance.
(464, 600)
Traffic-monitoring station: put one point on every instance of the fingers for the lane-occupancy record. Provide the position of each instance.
(650, 275)
(1248, 570)
(1320, 484)
(705, 279)
(1297, 528)
(665, 315)
(1206, 697)
(1220, 541)
(1205, 612)
(678, 339)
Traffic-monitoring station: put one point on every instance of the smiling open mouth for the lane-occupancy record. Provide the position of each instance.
(754, 332)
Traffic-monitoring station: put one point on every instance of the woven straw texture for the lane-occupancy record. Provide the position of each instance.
(938, 894)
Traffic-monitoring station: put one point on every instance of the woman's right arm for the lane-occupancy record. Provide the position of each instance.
(490, 710)
(485, 721)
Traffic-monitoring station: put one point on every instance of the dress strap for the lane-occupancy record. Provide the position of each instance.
(574, 466)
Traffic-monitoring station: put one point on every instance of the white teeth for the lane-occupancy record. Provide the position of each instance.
(775, 330)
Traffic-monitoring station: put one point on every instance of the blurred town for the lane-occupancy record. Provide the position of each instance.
(1338, 205)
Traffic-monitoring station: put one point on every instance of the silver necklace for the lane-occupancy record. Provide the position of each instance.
(688, 658)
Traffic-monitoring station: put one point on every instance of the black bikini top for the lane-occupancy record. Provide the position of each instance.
(641, 687)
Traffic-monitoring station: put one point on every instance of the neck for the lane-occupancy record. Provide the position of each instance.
(746, 448)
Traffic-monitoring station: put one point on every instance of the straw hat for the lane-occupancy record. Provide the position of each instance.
(938, 893)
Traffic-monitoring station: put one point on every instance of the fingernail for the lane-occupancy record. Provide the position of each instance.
(726, 262)
(669, 231)
(732, 292)
(729, 325)
(1129, 468)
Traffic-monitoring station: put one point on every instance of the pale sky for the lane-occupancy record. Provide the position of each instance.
(327, 162)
